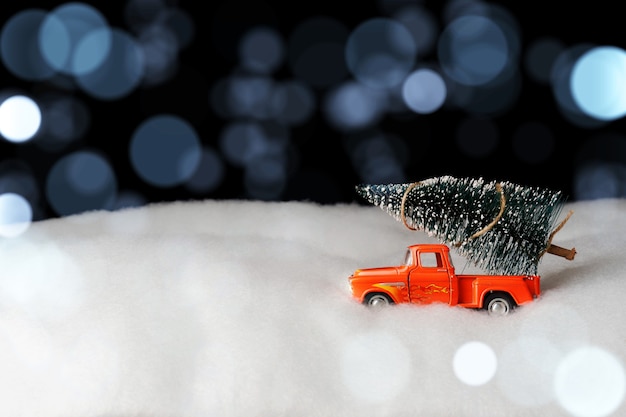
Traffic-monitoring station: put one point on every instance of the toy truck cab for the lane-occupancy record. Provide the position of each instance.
(428, 276)
(424, 277)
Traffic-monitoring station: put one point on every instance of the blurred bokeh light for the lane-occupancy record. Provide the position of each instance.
(81, 181)
(284, 102)
(15, 214)
(20, 118)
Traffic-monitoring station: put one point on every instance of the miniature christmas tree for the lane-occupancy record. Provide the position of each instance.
(501, 227)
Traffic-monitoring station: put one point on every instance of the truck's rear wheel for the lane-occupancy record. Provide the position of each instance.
(499, 304)
(377, 300)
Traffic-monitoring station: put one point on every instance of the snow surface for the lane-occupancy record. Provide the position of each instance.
(239, 308)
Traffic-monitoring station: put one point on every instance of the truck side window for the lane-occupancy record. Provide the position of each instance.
(430, 260)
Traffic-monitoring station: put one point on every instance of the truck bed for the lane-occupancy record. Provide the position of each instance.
(471, 287)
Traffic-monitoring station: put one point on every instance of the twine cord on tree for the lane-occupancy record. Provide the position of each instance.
(475, 235)
(493, 222)
(568, 254)
(406, 193)
(560, 226)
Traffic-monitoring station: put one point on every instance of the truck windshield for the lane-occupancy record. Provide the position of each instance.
(407, 258)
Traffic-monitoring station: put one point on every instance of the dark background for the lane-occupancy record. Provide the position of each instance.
(319, 160)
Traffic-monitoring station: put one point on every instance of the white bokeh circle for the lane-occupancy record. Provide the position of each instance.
(475, 363)
(20, 118)
(590, 382)
(16, 215)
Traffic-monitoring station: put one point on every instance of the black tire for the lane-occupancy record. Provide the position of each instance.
(499, 304)
(377, 299)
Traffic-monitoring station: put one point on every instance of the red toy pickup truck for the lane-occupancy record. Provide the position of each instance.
(428, 276)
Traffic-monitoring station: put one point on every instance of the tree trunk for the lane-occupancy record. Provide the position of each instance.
(559, 251)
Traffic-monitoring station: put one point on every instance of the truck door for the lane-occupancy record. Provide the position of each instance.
(429, 281)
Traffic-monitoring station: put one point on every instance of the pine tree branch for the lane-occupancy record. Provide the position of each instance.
(495, 220)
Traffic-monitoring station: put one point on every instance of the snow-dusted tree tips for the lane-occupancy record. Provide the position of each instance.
(501, 227)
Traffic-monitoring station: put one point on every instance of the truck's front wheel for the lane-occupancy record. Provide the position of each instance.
(377, 300)
(498, 304)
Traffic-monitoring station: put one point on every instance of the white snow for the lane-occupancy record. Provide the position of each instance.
(239, 308)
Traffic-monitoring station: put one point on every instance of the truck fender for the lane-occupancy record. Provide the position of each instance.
(390, 289)
(487, 292)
